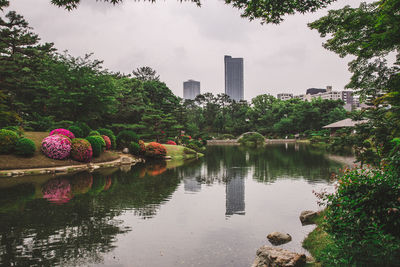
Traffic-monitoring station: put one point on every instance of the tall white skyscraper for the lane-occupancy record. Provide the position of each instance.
(191, 89)
(234, 85)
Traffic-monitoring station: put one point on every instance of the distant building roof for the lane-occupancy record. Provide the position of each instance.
(313, 91)
(344, 123)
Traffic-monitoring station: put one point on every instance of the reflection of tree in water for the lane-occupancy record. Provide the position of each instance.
(14, 199)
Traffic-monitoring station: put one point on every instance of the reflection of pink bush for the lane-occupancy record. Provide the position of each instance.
(65, 132)
(56, 146)
(57, 191)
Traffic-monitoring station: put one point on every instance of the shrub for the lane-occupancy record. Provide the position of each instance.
(25, 147)
(17, 129)
(76, 130)
(142, 150)
(97, 143)
(84, 127)
(155, 150)
(195, 147)
(94, 133)
(125, 137)
(227, 136)
(64, 124)
(134, 148)
(107, 141)
(170, 142)
(81, 150)
(111, 135)
(252, 139)
(8, 140)
(64, 132)
(362, 217)
(56, 146)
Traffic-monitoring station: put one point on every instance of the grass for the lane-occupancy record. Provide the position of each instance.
(39, 160)
(317, 241)
(181, 152)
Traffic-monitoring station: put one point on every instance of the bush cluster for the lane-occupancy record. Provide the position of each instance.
(155, 150)
(77, 131)
(252, 139)
(17, 129)
(125, 137)
(107, 141)
(97, 143)
(134, 148)
(84, 127)
(170, 142)
(81, 150)
(92, 133)
(25, 147)
(8, 140)
(64, 132)
(56, 146)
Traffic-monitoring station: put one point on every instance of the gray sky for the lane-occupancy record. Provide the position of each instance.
(183, 41)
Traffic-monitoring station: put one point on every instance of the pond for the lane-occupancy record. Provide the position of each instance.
(215, 211)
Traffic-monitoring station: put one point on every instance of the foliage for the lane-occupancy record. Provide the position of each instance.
(8, 140)
(318, 139)
(84, 127)
(76, 130)
(142, 149)
(145, 74)
(227, 137)
(195, 146)
(64, 132)
(110, 134)
(97, 143)
(56, 146)
(134, 148)
(107, 141)
(18, 129)
(25, 147)
(124, 138)
(63, 124)
(81, 150)
(155, 150)
(362, 216)
(170, 142)
(94, 133)
(38, 122)
(252, 139)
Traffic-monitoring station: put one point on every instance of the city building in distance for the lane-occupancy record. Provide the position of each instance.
(234, 84)
(191, 89)
(285, 96)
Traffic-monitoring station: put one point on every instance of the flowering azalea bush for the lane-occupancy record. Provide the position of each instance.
(155, 150)
(107, 140)
(8, 140)
(170, 142)
(110, 134)
(81, 150)
(56, 146)
(64, 132)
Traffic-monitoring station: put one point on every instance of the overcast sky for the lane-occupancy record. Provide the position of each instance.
(182, 41)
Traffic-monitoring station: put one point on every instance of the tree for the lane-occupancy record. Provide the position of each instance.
(145, 74)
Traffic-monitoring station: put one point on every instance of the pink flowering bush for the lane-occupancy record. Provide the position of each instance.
(64, 132)
(170, 142)
(81, 150)
(108, 141)
(56, 146)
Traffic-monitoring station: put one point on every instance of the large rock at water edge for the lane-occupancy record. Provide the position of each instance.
(125, 150)
(278, 238)
(308, 217)
(277, 257)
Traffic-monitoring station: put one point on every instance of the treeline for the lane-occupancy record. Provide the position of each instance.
(43, 89)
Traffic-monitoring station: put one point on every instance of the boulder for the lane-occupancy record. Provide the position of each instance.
(277, 257)
(126, 160)
(278, 238)
(308, 217)
(125, 150)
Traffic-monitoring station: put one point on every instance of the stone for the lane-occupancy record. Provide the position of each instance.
(278, 238)
(126, 160)
(308, 217)
(278, 257)
(125, 150)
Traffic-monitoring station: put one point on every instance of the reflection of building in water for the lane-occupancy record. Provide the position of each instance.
(235, 196)
(191, 185)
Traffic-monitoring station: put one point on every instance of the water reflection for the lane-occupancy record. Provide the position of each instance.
(78, 219)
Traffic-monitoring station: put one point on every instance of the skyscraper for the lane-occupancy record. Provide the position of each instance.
(234, 86)
(191, 89)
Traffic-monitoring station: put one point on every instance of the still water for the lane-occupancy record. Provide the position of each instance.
(215, 211)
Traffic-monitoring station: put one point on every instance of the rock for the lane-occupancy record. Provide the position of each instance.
(308, 217)
(125, 150)
(167, 157)
(126, 160)
(277, 238)
(278, 257)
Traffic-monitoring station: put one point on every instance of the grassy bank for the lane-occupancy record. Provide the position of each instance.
(180, 152)
(39, 160)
